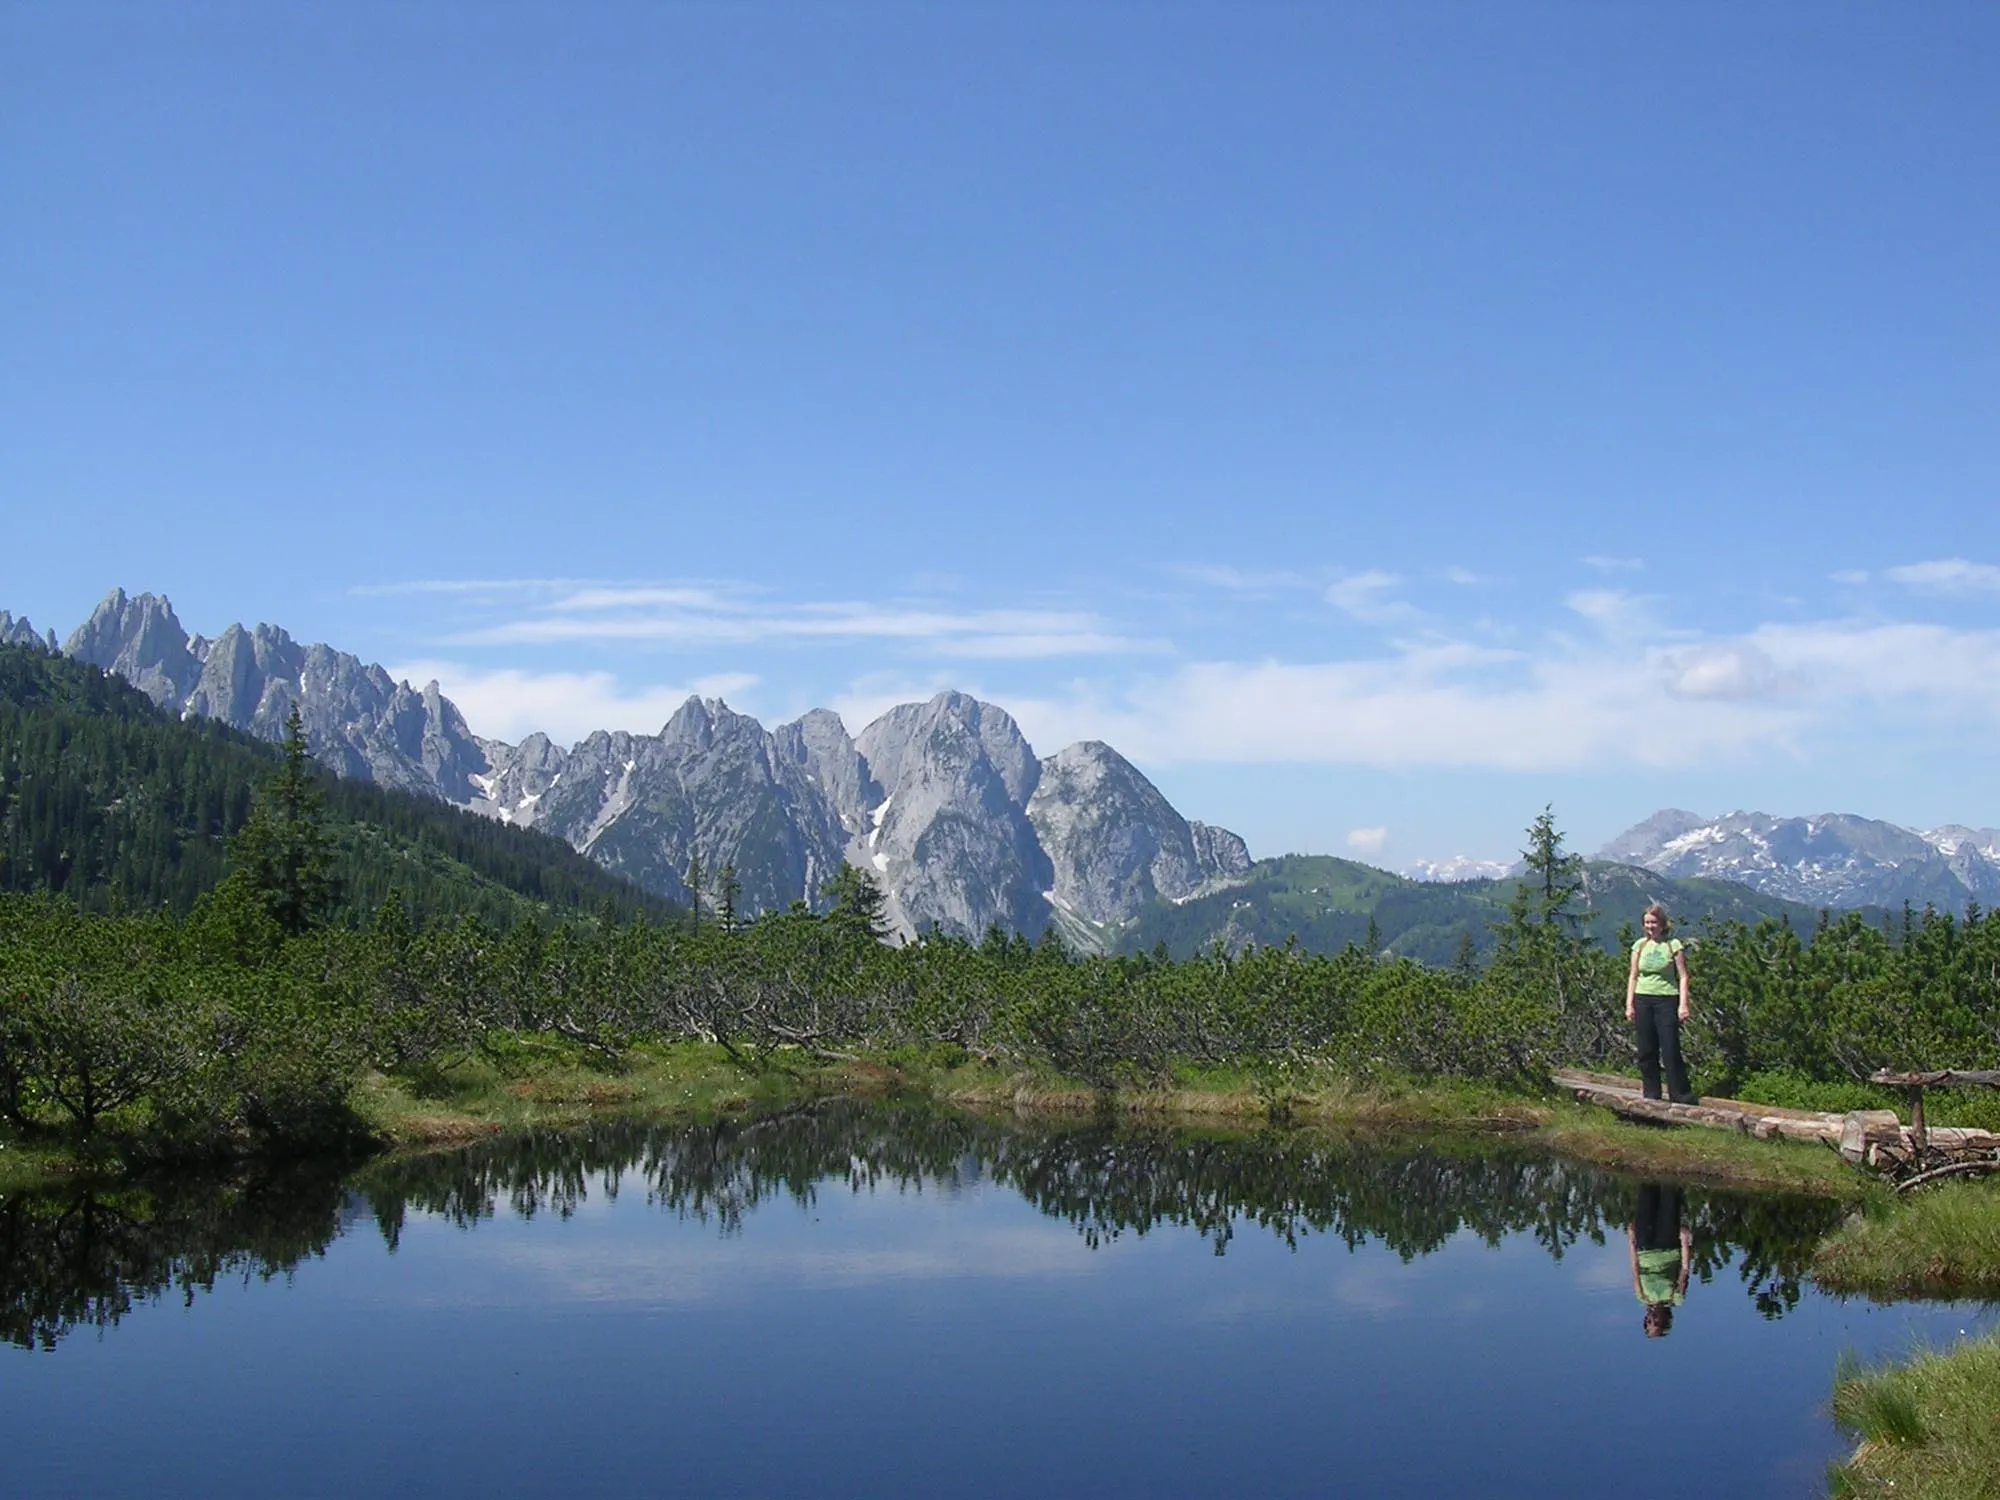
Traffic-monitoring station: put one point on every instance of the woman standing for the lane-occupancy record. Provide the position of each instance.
(1656, 1003)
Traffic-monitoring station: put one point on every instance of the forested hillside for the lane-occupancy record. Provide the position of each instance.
(108, 801)
(1327, 903)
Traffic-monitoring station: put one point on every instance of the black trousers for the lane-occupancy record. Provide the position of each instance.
(1657, 1021)
(1657, 1224)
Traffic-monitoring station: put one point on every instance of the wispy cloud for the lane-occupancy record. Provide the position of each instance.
(493, 586)
(1617, 613)
(509, 704)
(1604, 564)
(1370, 598)
(709, 616)
(1367, 840)
(1238, 580)
(1947, 575)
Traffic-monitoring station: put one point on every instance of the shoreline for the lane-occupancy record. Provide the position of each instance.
(693, 1082)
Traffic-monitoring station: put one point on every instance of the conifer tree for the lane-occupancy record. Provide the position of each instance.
(728, 889)
(283, 852)
(693, 881)
(858, 902)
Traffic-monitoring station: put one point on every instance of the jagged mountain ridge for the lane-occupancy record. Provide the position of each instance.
(1830, 860)
(20, 632)
(360, 723)
(944, 802)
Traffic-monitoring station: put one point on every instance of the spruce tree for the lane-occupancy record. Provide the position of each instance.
(858, 902)
(728, 890)
(283, 853)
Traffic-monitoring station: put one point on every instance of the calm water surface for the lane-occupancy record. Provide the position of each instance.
(871, 1300)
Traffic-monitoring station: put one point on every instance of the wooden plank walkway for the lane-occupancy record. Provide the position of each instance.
(1858, 1135)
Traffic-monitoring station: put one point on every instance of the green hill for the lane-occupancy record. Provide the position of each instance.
(1327, 903)
(112, 803)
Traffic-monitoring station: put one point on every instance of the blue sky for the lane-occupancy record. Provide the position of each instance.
(1378, 421)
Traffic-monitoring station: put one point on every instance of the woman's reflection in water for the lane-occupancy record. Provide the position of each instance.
(1662, 1253)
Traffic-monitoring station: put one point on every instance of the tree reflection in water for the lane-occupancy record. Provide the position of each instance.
(83, 1259)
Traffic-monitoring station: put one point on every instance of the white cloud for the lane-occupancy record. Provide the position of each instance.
(1739, 671)
(1368, 598)
(1367, 840)
(1237, 580)
(693, 617)
(1850, 576)
(467, 586)
(1948, 575)
(1559, 708)
(1614, 611)
(650, 596)
(1464, 577)
(510, 704)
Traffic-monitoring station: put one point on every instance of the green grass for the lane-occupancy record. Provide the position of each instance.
(1942, 1241)
(1927, 1428)
(537, 1084)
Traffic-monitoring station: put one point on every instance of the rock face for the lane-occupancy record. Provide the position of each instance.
(712, 788)
(142, 641)
(951, 841)
(944, 803)
(19, 632)
(1221, 854)
(1834, 859)
(1115, 843)
(358, 721)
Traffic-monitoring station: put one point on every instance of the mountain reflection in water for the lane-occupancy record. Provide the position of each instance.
(82, 1259)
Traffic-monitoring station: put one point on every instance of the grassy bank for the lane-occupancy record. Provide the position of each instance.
(548, 1083)
(1926, 1427)
(1940, 1242)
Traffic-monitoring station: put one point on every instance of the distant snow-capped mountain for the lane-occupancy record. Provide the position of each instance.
(943, 802)
(1460, 867)
(1834, 859)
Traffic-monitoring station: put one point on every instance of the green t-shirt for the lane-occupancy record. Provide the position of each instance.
(1659, 1276)
(1657, 974)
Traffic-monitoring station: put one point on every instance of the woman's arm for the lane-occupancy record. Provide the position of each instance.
(1681, 963)
(1632, 1244)
(1632, 987)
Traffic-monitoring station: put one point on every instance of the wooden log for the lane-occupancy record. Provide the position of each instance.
(1766, 1122)
(1949, 1078)
(1868, 1127)
(1806, 1130)
(1564, 1076)
(1962, 1138)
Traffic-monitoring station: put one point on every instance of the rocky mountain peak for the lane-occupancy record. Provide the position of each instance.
(818, 744)
(140, 639)
(1113, 842)
(357, 721)
(20, 632)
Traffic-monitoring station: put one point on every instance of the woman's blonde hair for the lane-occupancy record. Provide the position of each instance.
(1666, 922)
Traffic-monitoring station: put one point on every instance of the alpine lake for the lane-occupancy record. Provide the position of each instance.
(884, 1298)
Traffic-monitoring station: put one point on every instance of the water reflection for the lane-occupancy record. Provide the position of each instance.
(83, 1259)
(1662, 1246)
